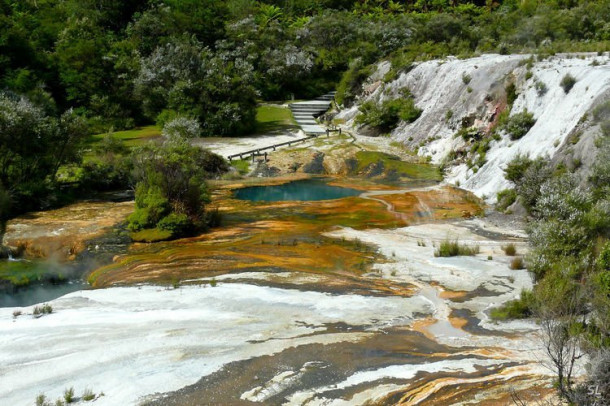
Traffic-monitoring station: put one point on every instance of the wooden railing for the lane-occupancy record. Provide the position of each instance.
(259, 151)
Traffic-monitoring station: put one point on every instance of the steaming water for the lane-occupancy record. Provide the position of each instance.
(33, 294)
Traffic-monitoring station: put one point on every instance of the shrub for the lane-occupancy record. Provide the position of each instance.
(449, 248)
(69, 395)
(515, 309)
(466, 78)
(541, 88)
(386, 116)
(177, 224)
(567, 83)
(506, 198)
(41, 400)
(511, 94)
(519, 124)
(509, 249)
(516, 168)
(517, 263)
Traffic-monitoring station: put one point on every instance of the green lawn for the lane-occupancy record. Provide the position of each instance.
(407, 169)
(132, 138)
(273, 119)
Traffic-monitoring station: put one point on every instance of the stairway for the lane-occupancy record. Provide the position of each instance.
(305, 113)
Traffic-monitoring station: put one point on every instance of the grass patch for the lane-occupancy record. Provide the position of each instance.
(131, 138)
(273, 119)
(453, 248)
(151, 235)
(391, 162)
(242, 166)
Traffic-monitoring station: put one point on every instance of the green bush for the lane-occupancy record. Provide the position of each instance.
(515, 309)
(511, 94)
(386, 116)
(506, 198)
(541, 88)
(151, 207)
(449, 248)
(351, 81)
(567, 83)
(69, 395)
(519, 124)
(516, 168)
(603, 260)
(177, 224)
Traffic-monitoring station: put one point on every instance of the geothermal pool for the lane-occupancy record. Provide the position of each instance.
(300, 190)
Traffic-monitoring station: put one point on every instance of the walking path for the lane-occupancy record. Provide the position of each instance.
(305, 114)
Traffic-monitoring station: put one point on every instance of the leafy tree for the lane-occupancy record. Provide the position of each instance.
(32, 147)
(186, 77)
(171, 192)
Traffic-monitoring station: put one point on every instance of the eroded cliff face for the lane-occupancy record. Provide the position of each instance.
(471, 94)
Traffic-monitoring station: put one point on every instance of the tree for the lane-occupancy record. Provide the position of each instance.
(190, 79)
(171, 192)
(33, 145)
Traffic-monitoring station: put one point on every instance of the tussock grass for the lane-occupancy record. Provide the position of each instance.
(509, 249)
(449, 248)
(517, 263)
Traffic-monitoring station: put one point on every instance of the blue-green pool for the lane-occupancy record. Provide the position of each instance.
(300, 190)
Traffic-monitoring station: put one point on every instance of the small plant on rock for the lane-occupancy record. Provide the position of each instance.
(517, 263)
(449, 248)
(567, 83)
(88, 395)
(69, 395)
(510, 249)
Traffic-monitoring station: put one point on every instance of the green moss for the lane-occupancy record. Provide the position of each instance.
(22, 273)
(391, 162)
(151, 235)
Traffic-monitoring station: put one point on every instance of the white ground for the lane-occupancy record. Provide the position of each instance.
(131, 342)
(438, 87)
(235, 145)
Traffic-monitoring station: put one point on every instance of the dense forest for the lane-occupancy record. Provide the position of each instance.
(70, 68)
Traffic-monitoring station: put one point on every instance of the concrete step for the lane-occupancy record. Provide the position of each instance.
(309, 107)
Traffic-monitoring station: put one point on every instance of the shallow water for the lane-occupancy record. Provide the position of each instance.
(301, 190)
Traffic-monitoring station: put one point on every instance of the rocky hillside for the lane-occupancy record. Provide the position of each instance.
(475, 112)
